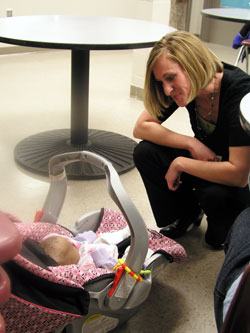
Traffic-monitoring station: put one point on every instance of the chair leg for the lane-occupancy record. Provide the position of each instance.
(247, 54)
(242, 49)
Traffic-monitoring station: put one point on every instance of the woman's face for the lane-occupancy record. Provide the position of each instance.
(175, 82)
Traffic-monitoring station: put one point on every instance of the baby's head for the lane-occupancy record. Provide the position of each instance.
(61, 250)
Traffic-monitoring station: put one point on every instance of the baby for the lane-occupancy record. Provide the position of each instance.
(60, 249)
(88, 252)
(86, 249)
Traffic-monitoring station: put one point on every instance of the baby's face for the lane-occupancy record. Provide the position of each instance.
(69, 252)
(61, 250)
(72, 257)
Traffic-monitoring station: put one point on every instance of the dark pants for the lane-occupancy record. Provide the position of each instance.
(237, 250)
(222, 204)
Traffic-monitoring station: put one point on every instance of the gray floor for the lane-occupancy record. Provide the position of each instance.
(35, 97)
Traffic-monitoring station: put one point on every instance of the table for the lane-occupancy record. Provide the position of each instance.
(80, 34)
(228, 14)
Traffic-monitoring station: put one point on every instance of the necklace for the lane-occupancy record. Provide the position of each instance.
(208, 117)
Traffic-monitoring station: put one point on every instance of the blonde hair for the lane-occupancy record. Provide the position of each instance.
(199, 63)
(61, 250)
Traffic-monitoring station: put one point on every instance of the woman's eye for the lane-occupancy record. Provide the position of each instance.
(170, 78)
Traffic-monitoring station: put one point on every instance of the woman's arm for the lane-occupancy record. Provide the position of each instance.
(234, 172)
(150, 129)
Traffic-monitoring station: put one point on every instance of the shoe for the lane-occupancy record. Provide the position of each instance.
(180, 226)
(214, 239)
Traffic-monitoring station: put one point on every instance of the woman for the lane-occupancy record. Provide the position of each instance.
(185, 176)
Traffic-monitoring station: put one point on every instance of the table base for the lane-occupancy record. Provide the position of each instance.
(34, 152)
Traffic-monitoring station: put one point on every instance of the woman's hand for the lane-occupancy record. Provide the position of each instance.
(234, 172)
(173, 175)
(201, 152)
(198, 151)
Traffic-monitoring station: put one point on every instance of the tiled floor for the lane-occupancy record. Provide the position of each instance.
(35, 97)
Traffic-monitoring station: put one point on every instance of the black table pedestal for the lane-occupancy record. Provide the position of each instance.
(35, 151)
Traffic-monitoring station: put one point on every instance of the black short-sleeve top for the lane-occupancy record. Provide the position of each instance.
(228, 132)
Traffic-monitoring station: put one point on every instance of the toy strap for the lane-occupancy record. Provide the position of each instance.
(120, 268)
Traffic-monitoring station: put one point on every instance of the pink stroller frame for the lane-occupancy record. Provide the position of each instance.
(46, 297)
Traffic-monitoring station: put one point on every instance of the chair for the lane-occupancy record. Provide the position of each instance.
(245, 44)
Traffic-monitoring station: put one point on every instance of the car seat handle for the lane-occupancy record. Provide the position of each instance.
(138, 230)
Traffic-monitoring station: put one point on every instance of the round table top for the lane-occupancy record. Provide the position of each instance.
(81, 32)
(228, 14)
(245, 112)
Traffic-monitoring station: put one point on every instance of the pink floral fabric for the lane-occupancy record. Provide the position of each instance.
(113, 221)
(69, 275)
(159, 242)
(75, 275)
(24, 317)
(33, 318)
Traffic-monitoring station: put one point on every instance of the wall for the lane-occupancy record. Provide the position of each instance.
(195, 17)
(236, 3)
(151, 10)
(122, 8)
(175, 13)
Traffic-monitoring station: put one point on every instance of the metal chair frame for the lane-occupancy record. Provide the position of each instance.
(244, 48)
